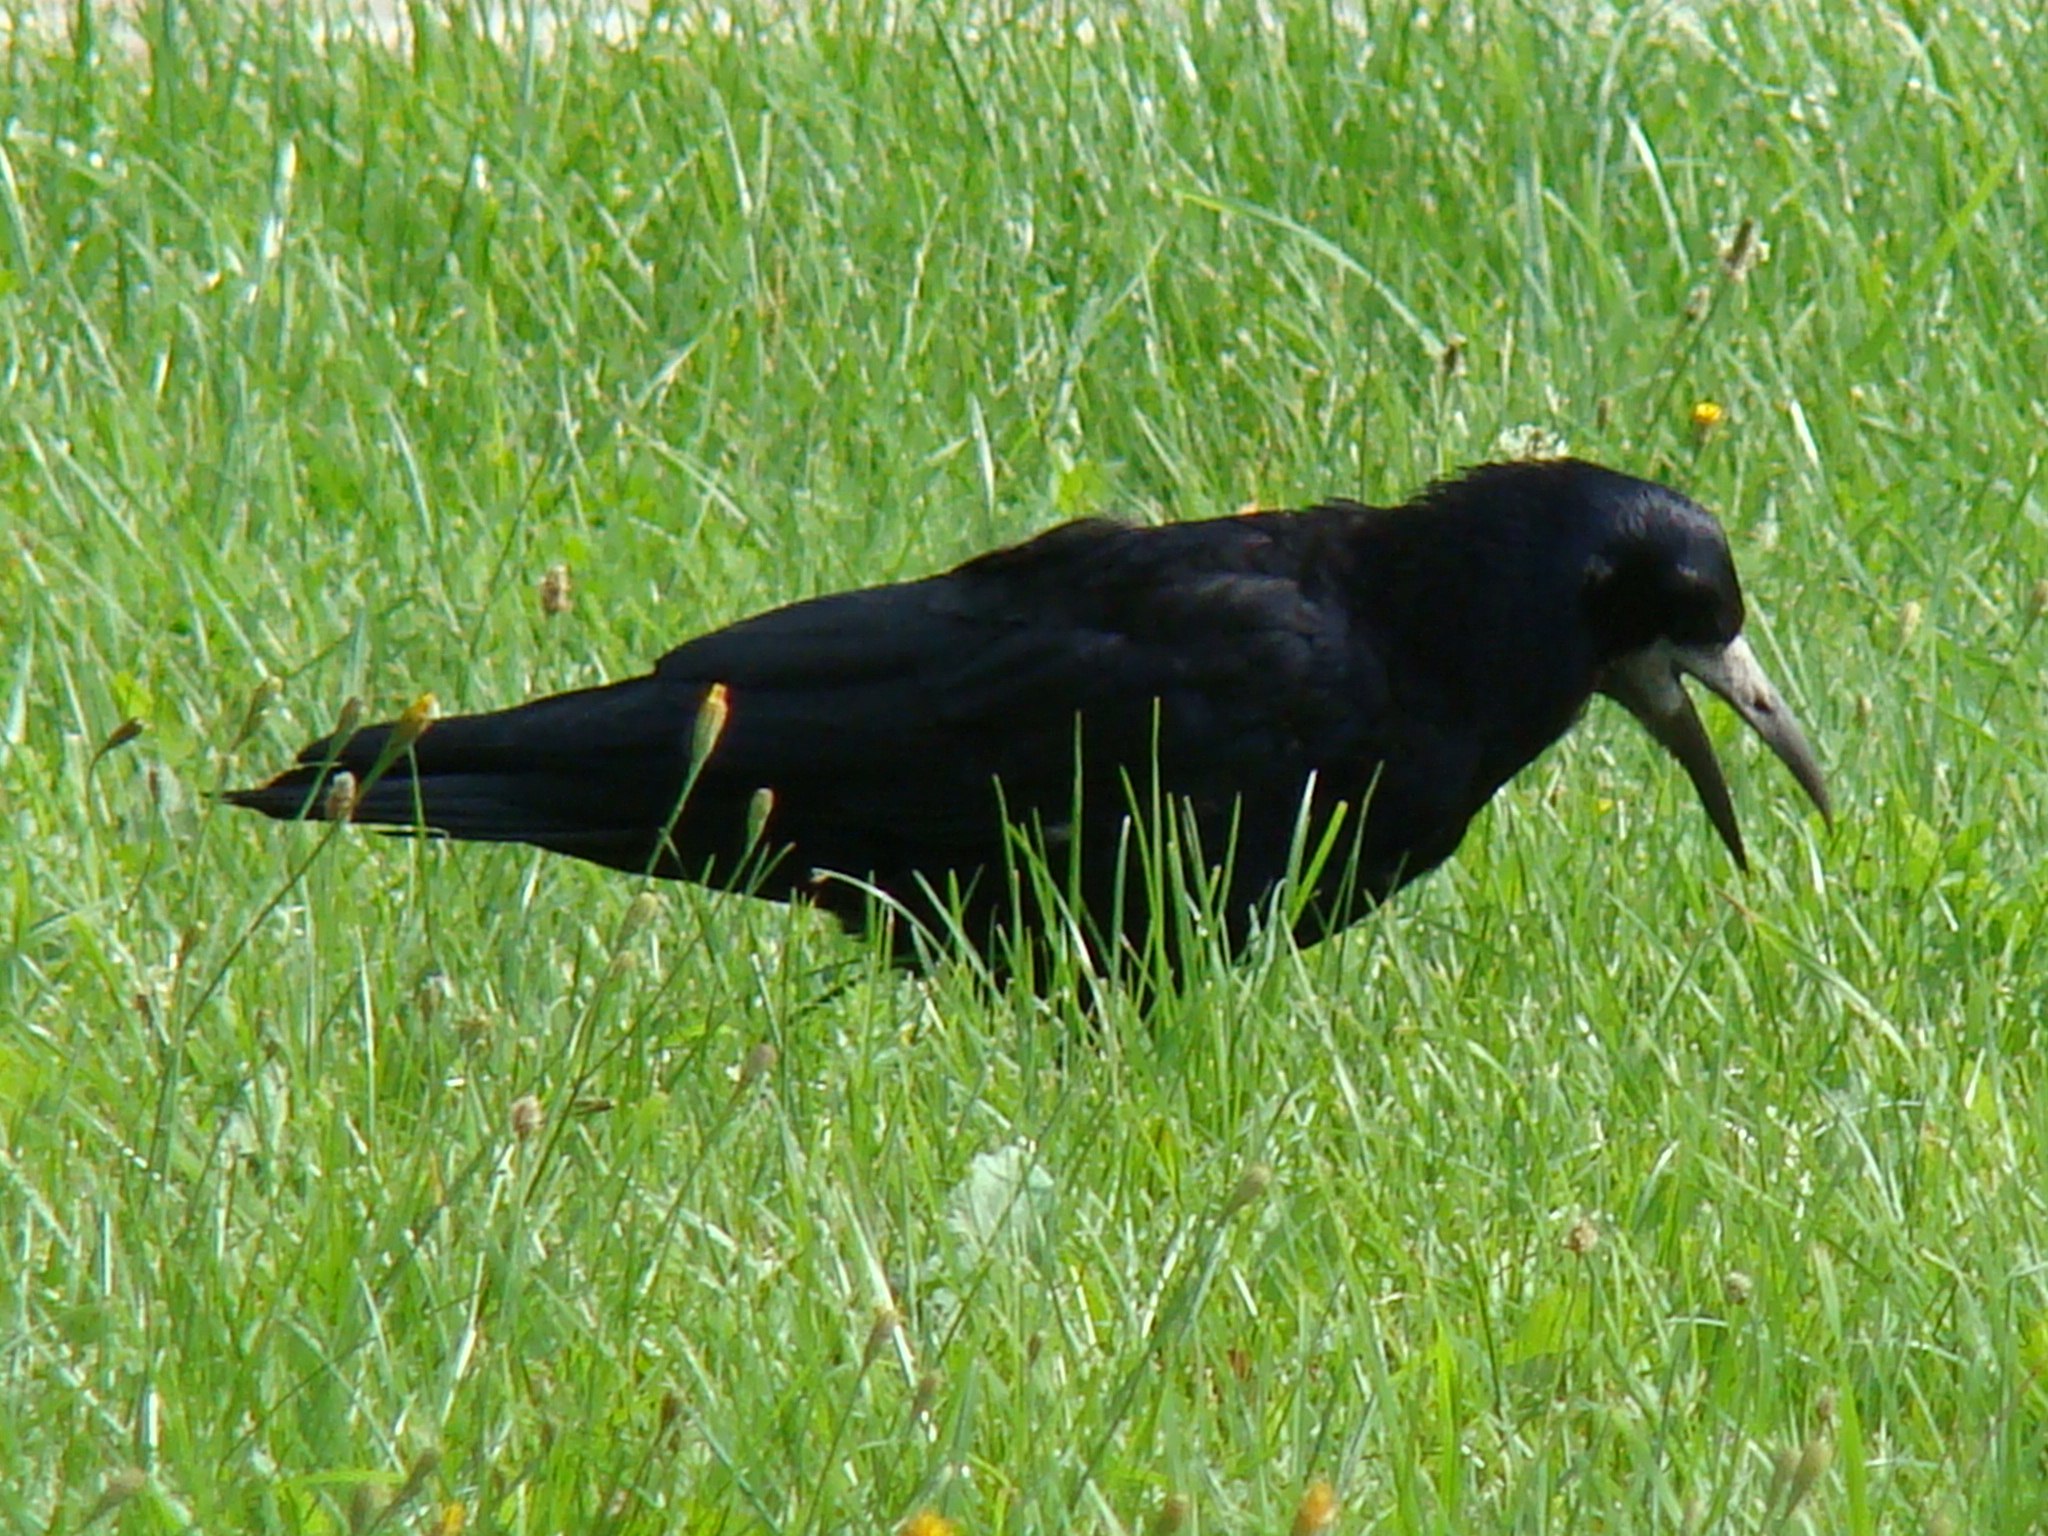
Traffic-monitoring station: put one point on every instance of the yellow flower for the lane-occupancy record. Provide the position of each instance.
(411, 725)
(929, 1522)
(1317, 1511)
(1707, 415)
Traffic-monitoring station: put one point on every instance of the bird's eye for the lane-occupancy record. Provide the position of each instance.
(1699, 610)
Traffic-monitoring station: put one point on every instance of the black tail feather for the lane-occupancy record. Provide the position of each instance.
(594, 774)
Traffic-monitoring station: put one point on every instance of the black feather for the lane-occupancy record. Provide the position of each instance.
(1406, 661)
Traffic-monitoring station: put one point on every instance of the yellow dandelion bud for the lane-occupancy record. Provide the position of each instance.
(711, 717)
(929, 1522)
(1707, 415)
(453, 1518)
(1317, 1511)
(557, 594)
(412, 725)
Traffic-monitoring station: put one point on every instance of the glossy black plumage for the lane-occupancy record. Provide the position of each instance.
(1406, 660)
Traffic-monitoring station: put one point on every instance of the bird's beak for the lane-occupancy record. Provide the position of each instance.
(1647, 684)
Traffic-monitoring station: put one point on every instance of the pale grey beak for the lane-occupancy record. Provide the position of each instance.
(1646, 684)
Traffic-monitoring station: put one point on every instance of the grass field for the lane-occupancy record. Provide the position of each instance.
(351, 1185)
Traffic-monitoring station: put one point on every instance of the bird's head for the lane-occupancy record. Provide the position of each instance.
(1661, 602)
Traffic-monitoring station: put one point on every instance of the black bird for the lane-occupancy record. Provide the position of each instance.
(1347, 678)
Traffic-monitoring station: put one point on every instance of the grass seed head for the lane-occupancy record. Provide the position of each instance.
(1738, 1288)
(1808, 1468)
(432, 992)
(1784, 1463)
(640, 911)
(1583, 1238)
(759, 1063)
(363, 1508)
(711, 717)
(339, 802)
(1250, 1189)
(557, 592)
(759, 808)
(261, 697)
(527, 1116)
(120, 1488)
(881, 1334)
(349, 717)
(1172, 1515)
(120, 736)
(1744, 251)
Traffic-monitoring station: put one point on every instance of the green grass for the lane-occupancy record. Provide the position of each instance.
(1605, 1184)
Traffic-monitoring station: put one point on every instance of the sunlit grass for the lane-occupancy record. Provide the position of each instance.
(351, 1184)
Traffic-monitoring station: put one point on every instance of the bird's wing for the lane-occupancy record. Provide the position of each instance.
(884, 720)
